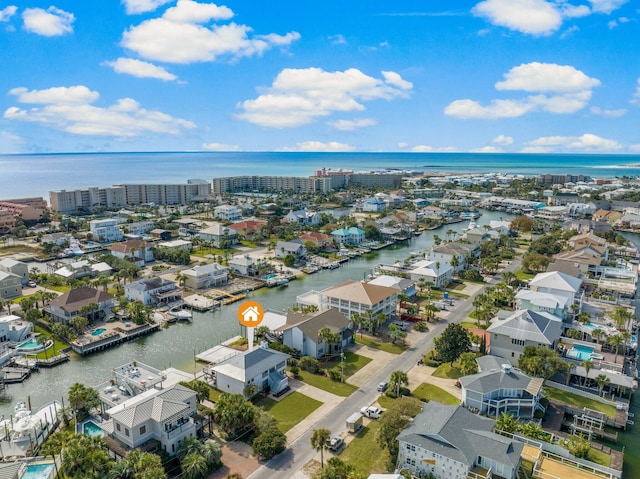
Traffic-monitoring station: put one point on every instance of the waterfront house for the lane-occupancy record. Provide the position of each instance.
(350, 236)
(219, 235)
(293, 247)
(166, 416)
(79, 269)
(450, 442)
(356, 297)
(302, 217)
(512, 332)
(560, 284)
(107, 230)
(301, 332)
(373, 205)
(321, 240)
(477, 236)
(500, 388)
(134, 251)
(227, 212)
(10, 285)
(205, 276)
(435, 272)
(69, 305)
(444, 253)
(262, 367)
(152, 291)
(539, 301)
(13, 330)
(138, 228)
(403, 285)
(59, 239)
(18, 268)
(247, 265)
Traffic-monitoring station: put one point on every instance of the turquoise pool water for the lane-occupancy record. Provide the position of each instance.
(30, 344)
(39, 471)
(98, 332)
(91, 429)
(270, 276)
(592, 326)
(580, 352)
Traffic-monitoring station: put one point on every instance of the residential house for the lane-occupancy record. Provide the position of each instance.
(68, 305)
(18, 268)
(167, 416)
(10, 285)
(435, 272)
(160, 234)
(227, 212)
(450, 442)
(301, 332)
(135, 251)
(293, 247)
(248, 228)
(350, 236)
(247, 265)
(584, 261)
(477, 236)
(219, 235)
(302, 217)
(432, 212)
(262, 367)
(79, 269)
(373, 205)
(152, 291)
(539, 301)
(513, 332)
(13, 330)
(608, 216)
(560, 284)
(106, 231)
(403, 285)
(500, 388)
(138, 228)
(176, 245)
(60, 239)
(356, 297)
(321, 240)
(444, 253)
(206, 276)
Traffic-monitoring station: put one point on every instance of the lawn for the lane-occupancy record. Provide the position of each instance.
(447, 372)
(363, 452)
(380, 344)
(57, 344)
(577, 401)
(429, 392)
(290, 410)
(599, 457)
(214, 394)
(326, 384)
(520, 274)
(469, 324)
(352, 363)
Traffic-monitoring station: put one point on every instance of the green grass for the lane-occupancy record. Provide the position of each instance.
(469, 324)
(599, 457)
(352, 363)
(364, 454)
(447, 372)
(524, 276)
(429, 392)
(214, 395)
(63, 288)
(577, 401)
(290, 410)
(326, 384)
(381, 345)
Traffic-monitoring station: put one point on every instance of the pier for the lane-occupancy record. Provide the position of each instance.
(87, 344)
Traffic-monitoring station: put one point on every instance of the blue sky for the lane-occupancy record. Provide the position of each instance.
(181, 75)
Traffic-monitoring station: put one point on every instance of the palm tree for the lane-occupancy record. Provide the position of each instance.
(598, 334)
(506, 422)
(587, 365)
(320, 441)
(508, 277)
(397, 379)
(621, 316)
(194, 466)
(602, 380)
(616, 340)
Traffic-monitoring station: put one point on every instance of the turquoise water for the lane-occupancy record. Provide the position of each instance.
(91, 429)
(39, 471)
(580, 352)
(30, 344)
(71, 171)
(98, 332)
(592, 326)
(270, 276)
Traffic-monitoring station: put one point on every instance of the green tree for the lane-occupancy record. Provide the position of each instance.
(200, 387)
(587, 365)
(542, 362)
(453, 341)
(395, 333)
(616, 341)
(194, 466)
(82, 398)
(320, 441)
(601, 380)
(507, 422)
(269, 443)
(391, 423)
(84, 457)
(233, 414)
(468, 363)
(338, 469)
(397, 380)
(328, 337)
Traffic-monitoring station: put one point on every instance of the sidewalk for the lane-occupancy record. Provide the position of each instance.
(378, 360)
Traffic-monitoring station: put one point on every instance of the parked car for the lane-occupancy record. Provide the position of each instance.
(382, 387)
(372, 412)
(336, 443)
(401, 326)
(31, 283)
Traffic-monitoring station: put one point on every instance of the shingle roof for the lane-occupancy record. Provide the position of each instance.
(311, 324)
(127, 246)
(493, 380)
(358, 292)
(249, 364)
(77, 298)
(526, 325)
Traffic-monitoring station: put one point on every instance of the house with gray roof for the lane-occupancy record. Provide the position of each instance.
(18, 268)
(293, 247)
(152, 291)
(262, 367)
(512, 333)
(539, 301)
(499, 387)
(444, 253)
(10, 285)
(219, 235)
(70, 304)
(205, 276)
(166, 416)
(558, 283)
(301, 332)
(450, 442)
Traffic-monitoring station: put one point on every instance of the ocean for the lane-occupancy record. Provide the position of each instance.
(36, 175)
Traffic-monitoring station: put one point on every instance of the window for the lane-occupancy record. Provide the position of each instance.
(126, 432)
(518, 342)
(143, 429)
(117, 427)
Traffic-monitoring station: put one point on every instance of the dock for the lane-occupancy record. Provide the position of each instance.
(87, 344)
(11, 374)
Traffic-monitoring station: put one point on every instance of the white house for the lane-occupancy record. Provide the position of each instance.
(246, 265)
(152, 291)
(374, 205)
(293, 247)
(539, 301)
(227, 212)
(18, 268)
(301, 332)
(435, 272)
(206, 276)
(13, 330)
(219, 235)
(79, 269)
(176, 245)
(107, 230)
(135, 251)
(302, 217)
(138, 228)
(445, 253)
(558, 283)
(356, 297)
(262, 367)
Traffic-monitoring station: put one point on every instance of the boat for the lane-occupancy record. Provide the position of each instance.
(334, 265)
(180, 313)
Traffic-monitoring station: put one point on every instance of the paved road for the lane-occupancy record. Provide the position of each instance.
(300, 452)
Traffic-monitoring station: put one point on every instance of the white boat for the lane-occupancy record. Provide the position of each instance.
(180, 313)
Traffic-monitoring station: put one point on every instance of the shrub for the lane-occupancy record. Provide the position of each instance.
(295, 370)
(283, 348)
(308, 363)
(335, 374)
(392, 393)
(421, 327)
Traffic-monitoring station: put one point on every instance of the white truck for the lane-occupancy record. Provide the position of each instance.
(372, 412)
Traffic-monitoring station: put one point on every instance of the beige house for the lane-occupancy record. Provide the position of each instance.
(355, 297)
(68, 305)
(206, 276)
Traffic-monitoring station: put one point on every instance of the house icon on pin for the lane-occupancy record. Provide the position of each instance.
(251, 314)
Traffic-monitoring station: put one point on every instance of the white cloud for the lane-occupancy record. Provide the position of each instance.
(182, 35)
(403, 144)
(299, 96)
(133, 7)
(608, 113)
(220, 147)
(331, 146)
(338, 39)
(7, 12)
(585, 143)
(140, 69)
(569, 31)
(562, 89)
(51, 22)
(634, 148)
(487, 149)
(70, 109)
(636, 95)
(10, 143)
(606, 6)
(432, 149)
(350, 125)
(535, 17)
(502, 140)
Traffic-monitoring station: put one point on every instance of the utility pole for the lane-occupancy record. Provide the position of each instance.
(342, 365)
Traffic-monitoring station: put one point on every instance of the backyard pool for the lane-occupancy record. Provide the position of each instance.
(33, 346)
(98, 332)
(582, 353)
(39, 471)
(270, 276)
(91, 429)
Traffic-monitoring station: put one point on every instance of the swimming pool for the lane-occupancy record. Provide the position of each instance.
(30, 344)
(91, 429)
(39, 471)
(580, 352)
(98, 332)
(270, 276)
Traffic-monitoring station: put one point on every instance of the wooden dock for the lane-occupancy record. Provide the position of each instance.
(14, 374)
